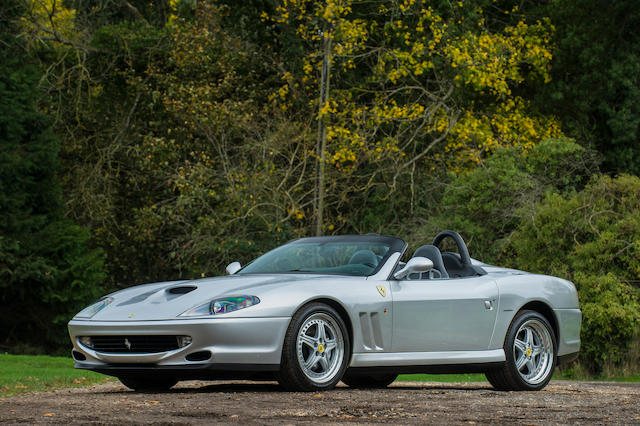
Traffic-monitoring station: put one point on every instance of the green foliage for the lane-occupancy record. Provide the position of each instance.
(487, 204)
(592, 238)
(47, 272)
(186, 139)
(595, 88)
(182, 171)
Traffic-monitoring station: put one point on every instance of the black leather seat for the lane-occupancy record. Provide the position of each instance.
(433, 253)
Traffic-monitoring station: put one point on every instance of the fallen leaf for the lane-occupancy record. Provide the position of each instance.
(48, 415)
(155, 402)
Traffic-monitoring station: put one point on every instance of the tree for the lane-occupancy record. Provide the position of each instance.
(595, 88)
(487, 204)
(410, 85)
(593, 239)
(47, 270)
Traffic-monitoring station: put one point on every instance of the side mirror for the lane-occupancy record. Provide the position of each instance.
(415, 265)
(233, 267)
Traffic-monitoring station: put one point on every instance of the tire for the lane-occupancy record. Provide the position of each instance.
(531, 354)
(374, 381)
(146, 384)
(316, 350)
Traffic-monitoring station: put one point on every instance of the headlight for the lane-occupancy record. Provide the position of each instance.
(221, 306)
(91, 310)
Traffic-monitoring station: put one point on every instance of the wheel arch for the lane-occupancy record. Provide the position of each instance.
(546, 311)
(344, 315)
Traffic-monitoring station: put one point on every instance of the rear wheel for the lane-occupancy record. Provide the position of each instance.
(147, 384)
(315, 351)
(530, 349)
(373, 381)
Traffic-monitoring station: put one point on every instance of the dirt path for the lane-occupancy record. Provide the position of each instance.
(263, 403)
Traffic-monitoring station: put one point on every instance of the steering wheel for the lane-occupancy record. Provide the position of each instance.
(462, 247)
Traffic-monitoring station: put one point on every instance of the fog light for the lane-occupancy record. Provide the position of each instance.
(184, 341)
(86, 341)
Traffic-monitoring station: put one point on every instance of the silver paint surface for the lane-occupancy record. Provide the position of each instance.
(393, 323)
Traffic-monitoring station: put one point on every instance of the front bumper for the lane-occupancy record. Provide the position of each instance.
(235, 344)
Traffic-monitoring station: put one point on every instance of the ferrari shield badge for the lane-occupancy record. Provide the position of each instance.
(382, 291)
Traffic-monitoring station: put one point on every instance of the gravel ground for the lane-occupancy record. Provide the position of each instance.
(263, 403)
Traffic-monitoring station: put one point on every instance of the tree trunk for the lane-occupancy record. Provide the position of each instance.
(322, 131)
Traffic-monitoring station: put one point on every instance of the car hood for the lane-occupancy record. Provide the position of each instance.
(167, 300)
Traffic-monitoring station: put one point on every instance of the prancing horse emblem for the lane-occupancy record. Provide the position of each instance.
(382, 291)
(127, 343)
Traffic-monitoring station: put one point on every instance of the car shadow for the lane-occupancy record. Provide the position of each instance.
(274, 387)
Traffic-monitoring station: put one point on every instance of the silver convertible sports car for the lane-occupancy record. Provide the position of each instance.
(319, 310)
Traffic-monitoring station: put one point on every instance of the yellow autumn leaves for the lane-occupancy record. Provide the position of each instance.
(418, 69)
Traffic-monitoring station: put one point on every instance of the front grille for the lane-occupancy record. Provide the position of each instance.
(134, 344)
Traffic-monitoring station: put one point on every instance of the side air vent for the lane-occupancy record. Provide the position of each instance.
(182, 289)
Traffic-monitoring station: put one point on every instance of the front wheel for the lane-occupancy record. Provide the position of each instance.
(315, 351)
(530, 349)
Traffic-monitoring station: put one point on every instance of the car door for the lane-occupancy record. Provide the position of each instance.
(456, 314)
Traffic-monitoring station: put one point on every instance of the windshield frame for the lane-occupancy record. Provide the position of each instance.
(396, 245)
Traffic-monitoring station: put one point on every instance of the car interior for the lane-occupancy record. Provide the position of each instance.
(446, 264)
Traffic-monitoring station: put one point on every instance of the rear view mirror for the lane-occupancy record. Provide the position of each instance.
(415, 265)
(233, 267)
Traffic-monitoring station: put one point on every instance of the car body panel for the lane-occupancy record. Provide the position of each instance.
(437, 306)
(230, 340)
(391, 322)
(405, 359)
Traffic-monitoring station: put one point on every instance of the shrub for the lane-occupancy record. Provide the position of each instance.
(487, 204)
(592, 238)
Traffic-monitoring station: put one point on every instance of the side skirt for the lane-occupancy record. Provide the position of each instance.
(424, 359)
(427, 369)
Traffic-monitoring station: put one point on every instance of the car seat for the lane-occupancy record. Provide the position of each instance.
(433, 253)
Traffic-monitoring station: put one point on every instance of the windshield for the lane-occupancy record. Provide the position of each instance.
(356, 255)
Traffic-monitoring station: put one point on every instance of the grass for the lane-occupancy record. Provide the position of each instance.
(30, 373)
(449, 378)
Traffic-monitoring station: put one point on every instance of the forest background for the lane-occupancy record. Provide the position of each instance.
(154, 140)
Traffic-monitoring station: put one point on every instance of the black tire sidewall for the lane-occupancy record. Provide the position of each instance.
(517, 322)
(291, 374)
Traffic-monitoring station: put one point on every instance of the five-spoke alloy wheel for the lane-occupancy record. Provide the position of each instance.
(316, 349)
(530, 349)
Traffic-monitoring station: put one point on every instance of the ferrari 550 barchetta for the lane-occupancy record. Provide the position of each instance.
(323, 309)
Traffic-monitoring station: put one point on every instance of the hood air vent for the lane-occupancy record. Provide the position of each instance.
(182, 289)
